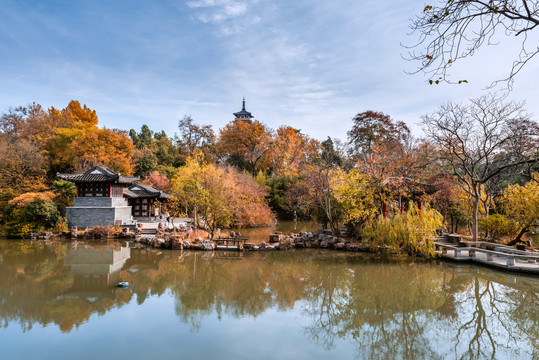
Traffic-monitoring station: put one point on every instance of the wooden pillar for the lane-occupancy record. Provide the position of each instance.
(419, 204)
(384, 209)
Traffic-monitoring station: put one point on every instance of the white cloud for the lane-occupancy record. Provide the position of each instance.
(231, 16)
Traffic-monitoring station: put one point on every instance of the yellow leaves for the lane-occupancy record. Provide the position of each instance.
(449, 61)
(353, 192)
(463, 81)
(427, 8)
(429, 57)
(26, 198)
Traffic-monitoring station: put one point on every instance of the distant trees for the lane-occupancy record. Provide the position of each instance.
(485, 139)
(449, 31)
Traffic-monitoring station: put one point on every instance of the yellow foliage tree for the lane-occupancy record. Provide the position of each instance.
(351, 189)
(521, 204)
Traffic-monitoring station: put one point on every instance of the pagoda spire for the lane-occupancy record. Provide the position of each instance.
(243, 115)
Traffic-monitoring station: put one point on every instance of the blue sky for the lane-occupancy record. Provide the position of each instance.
(306, 63)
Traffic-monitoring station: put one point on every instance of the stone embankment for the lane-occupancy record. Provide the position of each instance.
(321, 239)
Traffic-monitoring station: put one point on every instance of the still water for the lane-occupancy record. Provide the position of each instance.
(59, 301)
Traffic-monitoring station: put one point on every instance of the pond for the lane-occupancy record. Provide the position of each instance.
(60, 301)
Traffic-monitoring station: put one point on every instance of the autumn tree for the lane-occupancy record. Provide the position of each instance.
(79, 148)
(158, 179)
(374, 128)
(521, 204)
(246, 145)
(222, 196)
(194, 137)
(449, 31)
(352, 191)
(316, 180)
(22, 168)
(291, 149)
(482, 140)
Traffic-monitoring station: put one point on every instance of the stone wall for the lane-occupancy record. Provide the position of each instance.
(99, 202)
(86, 216)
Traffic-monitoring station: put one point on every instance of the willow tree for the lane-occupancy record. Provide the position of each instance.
(482, 141)
(449, 31)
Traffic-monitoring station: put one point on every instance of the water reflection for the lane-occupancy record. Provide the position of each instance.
(386, 307)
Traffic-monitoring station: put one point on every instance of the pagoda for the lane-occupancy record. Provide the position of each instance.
(100, 198)
(243, 115)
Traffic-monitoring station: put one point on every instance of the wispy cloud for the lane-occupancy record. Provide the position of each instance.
(231, 16)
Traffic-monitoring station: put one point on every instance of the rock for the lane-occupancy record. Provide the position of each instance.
(208, 245)
(323, 244)
(186, 244)
(339, 246)
(353, 247)
(249, 246)
(197, 247)
(176, 245)
(275, 238)
(270, 247)
(232, 233)
(262, 245)
(198, 240)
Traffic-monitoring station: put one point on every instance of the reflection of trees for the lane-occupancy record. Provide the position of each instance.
(382, 307)
(495, 318)
(389, 308)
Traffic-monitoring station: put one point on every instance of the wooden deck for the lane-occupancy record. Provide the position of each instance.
(229, 243)
(492, 255)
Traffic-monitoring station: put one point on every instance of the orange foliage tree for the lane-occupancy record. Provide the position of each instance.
(246, 145)
(290, 149)
(79, 143)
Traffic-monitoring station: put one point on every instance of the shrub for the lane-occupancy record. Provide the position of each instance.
(412, 232)
(29, 212)
(495, 226)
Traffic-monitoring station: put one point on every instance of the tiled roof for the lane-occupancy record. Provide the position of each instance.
(145, 191)
(98, 174)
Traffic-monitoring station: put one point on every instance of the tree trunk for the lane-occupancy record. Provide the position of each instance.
(519, 236)
(475, 213)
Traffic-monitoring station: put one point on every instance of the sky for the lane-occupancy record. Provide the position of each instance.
(310, 64)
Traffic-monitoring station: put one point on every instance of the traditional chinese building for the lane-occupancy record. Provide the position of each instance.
(100, 198)
(243, 115)
(145, 199)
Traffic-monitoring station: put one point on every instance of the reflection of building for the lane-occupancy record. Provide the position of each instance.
(243, 115)
(144, 199)
(96, 268)
(100, 198)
